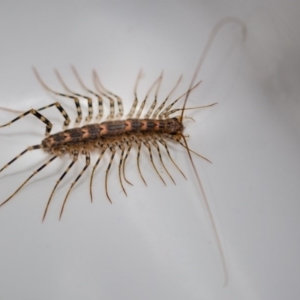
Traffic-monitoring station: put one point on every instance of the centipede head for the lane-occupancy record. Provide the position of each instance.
(174, 125)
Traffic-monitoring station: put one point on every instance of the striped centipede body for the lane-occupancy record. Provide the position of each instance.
(117, 133)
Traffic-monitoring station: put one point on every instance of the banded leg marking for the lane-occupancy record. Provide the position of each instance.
(93, 171)
(19, 155)
(32, 175)
(129, 144)
(87, 163)
(135, 102)
(111, 100)
(166, 147)
(75, 157)
(148, 114)
(88, 99)
(75, 99)
(120, 167)
(162, 113)
(61, 110)
(151, 159)
(99, 98)
(160, 158)
(113, 151)
(147, 95)
(164, 102)
(36, 114)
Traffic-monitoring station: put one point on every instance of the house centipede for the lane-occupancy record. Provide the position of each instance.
(117, 132)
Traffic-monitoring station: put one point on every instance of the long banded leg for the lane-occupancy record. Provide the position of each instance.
(88, 99)
(93, 171)
(138, 114)
(167, 114)
(162, 113)
(99, 98)
(160, 158)
(19, 155)
(135, 102)
(148, 114)
(166, 147)
(129, 144)
(36, 114)
(87, 163)
(111, 100)
(75, 157)
(113, 152)
(109, 93)
(75, 99)
(151, 159)
(61, 110)
(121, 146)
(177, 139)
(164, 102)
(33, 174)
(138, 159)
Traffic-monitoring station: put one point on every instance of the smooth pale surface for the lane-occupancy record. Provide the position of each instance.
(157, 243)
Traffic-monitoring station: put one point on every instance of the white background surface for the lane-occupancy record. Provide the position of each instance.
(157, 243)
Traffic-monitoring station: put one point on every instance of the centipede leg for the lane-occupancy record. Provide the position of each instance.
(151, 159)
(160, 158)
(100, 100)
(61, 110)
(126, 155)
(75, 99)
(109, 94)
(88, 99)
(111, 100)
(166, 147)
(37, 115)
(33, 174)
(135, 102)
(120, 166)
(22, 153)
(93, 171)
(75, 157)
(113, 152)
(87, 163)
(138, 160)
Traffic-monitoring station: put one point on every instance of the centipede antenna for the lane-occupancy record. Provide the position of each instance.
(208, 209)
(210, 40)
